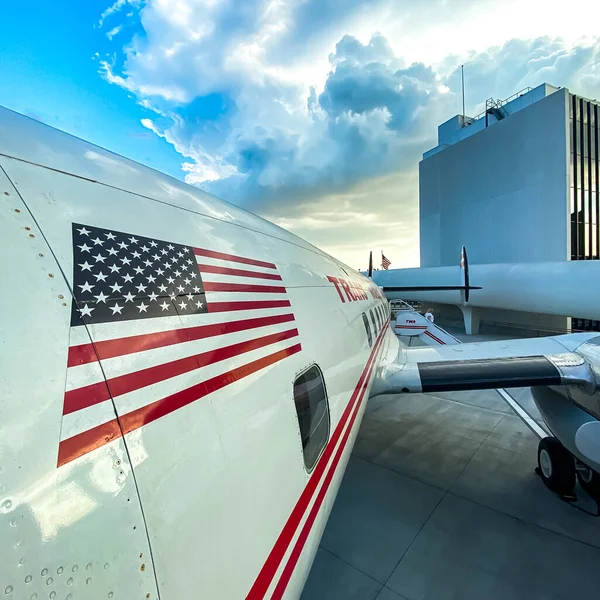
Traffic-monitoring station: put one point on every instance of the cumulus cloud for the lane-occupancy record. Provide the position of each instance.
(117, 6)
(111, 34)
(273, 104)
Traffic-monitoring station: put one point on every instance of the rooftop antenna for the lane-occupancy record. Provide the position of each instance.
(462, 76)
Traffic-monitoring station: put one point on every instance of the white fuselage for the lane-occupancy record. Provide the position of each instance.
(189, 483)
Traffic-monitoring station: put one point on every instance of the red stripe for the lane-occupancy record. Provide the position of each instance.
(160, 408)
(91, 439)
(264, 578)
(233, 258)
(214, 307)
(237, 272)
(211, 286)
(304, 533)
(86, 353)
(411, 326)
(437, 339)
(85, 442)
(87, 396)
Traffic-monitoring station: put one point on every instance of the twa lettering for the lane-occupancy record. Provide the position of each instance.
(352, 291)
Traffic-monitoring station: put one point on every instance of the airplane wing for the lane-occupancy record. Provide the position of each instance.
(487, 365)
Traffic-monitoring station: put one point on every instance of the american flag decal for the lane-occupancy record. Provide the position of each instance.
(170, 323)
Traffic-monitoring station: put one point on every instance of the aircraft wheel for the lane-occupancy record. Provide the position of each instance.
(556, 466)
(590, 482)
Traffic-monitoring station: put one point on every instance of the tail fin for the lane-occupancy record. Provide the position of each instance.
(465, 287)
(464, 275)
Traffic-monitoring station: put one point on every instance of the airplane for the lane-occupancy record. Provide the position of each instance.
(183, 382)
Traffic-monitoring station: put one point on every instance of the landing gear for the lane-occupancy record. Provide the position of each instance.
(589, 480)
(556, 466)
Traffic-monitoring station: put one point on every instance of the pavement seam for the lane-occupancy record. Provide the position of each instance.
(446, 492)
(351, 565)
(521, 520)
(453, 493)
(412, 542)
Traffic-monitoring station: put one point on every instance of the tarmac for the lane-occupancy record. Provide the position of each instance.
(440, 502)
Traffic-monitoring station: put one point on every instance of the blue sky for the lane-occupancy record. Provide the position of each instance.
(313, 113)
(48, 73)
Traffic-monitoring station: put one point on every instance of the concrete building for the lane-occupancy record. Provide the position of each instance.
(518, 183)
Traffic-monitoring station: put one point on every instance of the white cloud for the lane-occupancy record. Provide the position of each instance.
(117, 6)
(289, 107)
(111, 34)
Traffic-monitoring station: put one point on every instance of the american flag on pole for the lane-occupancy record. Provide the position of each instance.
(170, 324)
(385, 262)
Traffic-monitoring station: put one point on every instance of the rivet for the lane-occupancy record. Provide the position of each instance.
(40, 254)
(7, 504)
(141, 554)
(75, 567)
(13, 523)
(31, 235)
(88, 581)
(70, 581)
(8, 590)
(27, 228)
(50, 275)
(61, 296)
(143, 567)
(22, 561)
(52, 595)
(49, 581)
(64, 303)
(44, 572)
(147, 595)
(28, 579)
(59, 570)
(106, 565)
(110, 594)
(17, 210)
(6, 194)
(89, 566)
(33, 596)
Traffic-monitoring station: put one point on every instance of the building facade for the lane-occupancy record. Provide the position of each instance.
(518, 183)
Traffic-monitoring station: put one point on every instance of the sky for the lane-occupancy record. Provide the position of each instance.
(311, 113)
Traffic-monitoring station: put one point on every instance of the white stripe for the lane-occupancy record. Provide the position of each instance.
(82, 420)
(124, 329)
(523, 414)
(226, 278)
(129, 363)
(82, 375)
(97, 414)
(244, 297)
(230, 264)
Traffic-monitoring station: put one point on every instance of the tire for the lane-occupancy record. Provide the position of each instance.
(556, 466)
(590, 482)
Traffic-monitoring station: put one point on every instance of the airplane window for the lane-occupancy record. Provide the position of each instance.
(378, 317)
(312, 409)
(375, 328)
(381, 315)
(368, 328)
